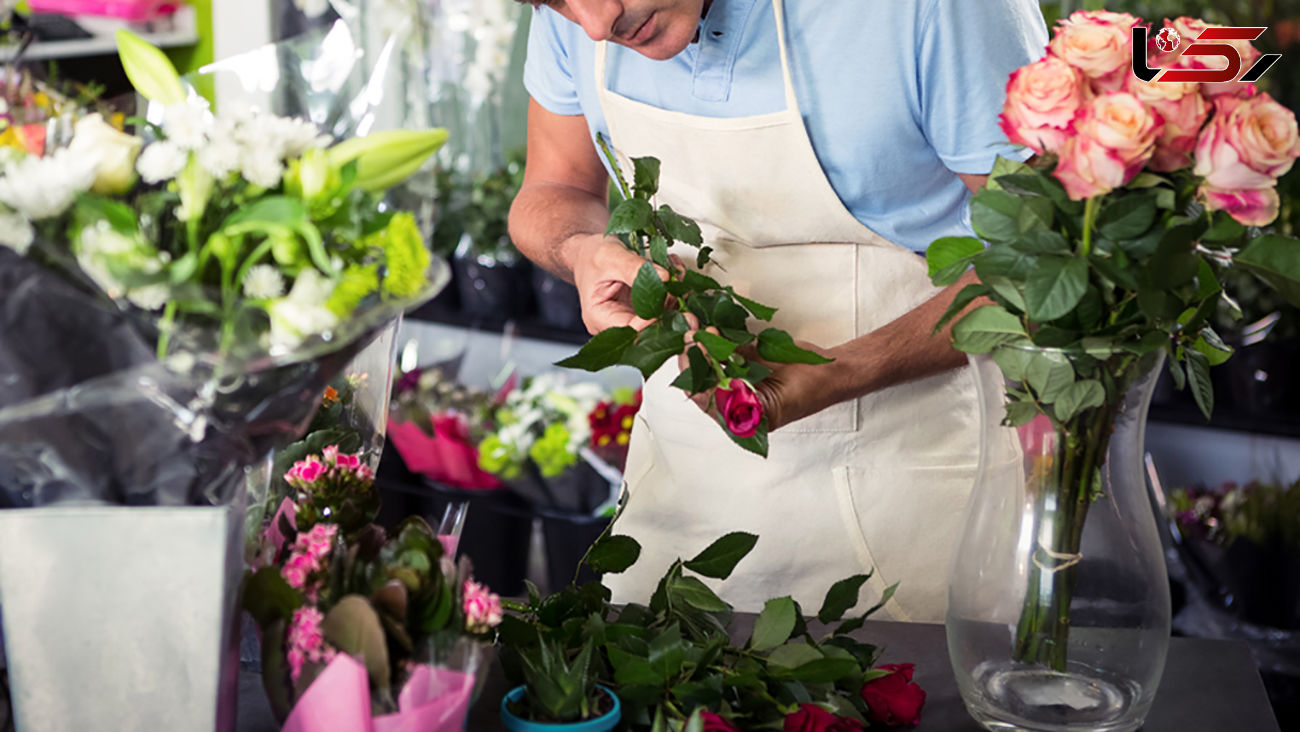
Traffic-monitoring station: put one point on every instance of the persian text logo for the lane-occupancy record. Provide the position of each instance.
(1167, 40)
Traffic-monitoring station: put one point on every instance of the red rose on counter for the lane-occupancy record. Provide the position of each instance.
(894, 700)
(740, 408)
(714, 723)
(812, 718)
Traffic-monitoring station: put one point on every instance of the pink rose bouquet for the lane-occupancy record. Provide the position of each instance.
(1102, 255)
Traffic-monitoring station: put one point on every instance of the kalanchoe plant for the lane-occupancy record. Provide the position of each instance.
(1104, 252)
(723, 354)
(673, 663)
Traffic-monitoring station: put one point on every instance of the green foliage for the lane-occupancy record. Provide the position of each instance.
(671, 659)
(664, 291)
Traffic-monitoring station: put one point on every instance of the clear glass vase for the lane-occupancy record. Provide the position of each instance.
(1059, 613)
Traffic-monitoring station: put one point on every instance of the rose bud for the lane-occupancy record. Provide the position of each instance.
(740, 408)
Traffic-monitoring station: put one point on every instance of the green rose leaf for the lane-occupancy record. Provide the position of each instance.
(1198, 376)
(1055, 286)
(1276, 260)
(774, 625)
(698, 376)
(720, 348)
(613, 554)
(944, 255)
(1077, 397)
(696, 594)
(759, 310)
(645, 175)
(1013, 361)
(1049, 373)
(756, 443)
(985, 328)
(994, 215)
(826, 670)
(1127, 217)
(698, 281)
(679, 227)
(1020, 412)
(794, 655)
(778, 346)
(702, 257)
(1224, 229)
(1042, 242)
(965, 296)
(648, 293)
(720, 558)
(840, 597)
(605, 349)
(655, 345)
(1175, 262)
(629, 217)
(659, 251)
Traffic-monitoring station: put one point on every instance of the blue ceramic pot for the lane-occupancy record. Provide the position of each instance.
(599, 724)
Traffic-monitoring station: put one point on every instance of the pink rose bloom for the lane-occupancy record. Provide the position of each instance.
(1113, 137)
(1188, 29)
(482, 608)
(1042, 98)
(1097, 43)
(305, 640)
(1250, 207)
(1248, 144)
(1183, 110)
(741, 410)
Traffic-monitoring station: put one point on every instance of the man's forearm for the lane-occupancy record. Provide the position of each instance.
(547, 219)
(901, 350)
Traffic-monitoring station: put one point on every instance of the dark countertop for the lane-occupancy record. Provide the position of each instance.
(1208, 686)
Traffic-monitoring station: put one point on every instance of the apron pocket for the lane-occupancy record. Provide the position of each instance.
(911, 518)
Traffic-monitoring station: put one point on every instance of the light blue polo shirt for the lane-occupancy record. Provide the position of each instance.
(894, 93)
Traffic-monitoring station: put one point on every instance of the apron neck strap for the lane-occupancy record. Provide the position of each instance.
(778, 8)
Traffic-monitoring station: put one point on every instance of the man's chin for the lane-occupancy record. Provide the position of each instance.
(665, 45)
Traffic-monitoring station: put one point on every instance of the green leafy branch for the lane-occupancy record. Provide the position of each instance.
(722, 348)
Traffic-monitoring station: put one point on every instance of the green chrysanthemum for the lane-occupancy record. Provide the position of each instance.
(357, 282)
(405, 255)
(551, 451)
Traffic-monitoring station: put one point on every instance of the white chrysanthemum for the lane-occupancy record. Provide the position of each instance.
(42, 188)
(295, 136)
(161, 161)
(150, 297)
(302, 312)
(220, 158)
(263, 282)
(187, 125)
(261, 167)
(16, 232)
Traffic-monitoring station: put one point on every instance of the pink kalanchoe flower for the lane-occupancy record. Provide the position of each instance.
(319, 542)
(330, 454)
(345, 460)
(482, 608)
(365, 474)
(305, 640)
(305, 471)
(296, 570)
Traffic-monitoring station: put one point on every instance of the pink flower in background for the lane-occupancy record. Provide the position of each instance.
(482, 608)
(330, 454)
(365, 474)
(297, 569)
(1250, 207)
(1248, 143)
(305, 640)
(1097, 43)
(305, 471)
(1042, 99)
(348, 461)
(319, 542)
(741, 410)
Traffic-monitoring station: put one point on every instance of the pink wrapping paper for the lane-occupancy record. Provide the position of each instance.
(447, 457)
(433, 700)
(132, 10)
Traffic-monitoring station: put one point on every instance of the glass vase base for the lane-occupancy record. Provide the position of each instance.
(1010, 696)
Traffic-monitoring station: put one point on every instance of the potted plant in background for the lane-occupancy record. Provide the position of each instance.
(493, 277)
(560, 693)
(1101, 259)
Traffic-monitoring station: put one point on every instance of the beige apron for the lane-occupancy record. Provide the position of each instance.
(877, 483)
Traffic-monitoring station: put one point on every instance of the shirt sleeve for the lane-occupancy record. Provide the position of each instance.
(548, 72)
(966, 53)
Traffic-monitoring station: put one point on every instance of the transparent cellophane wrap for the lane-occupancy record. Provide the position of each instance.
(123, 478)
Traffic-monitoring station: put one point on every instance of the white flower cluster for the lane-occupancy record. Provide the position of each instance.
(492, 25)
(301, 314)
(548, 398)
(100, 250)
(252, 143)
(42, 188)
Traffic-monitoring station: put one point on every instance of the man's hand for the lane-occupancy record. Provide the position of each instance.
(791, 392)
(603, 272)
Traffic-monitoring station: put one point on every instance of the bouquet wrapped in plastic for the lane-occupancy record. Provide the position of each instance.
(176, 298)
